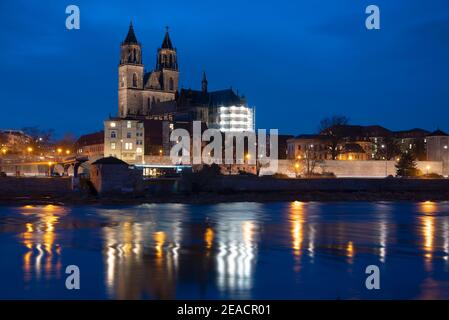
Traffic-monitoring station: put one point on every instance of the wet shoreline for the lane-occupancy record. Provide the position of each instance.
(211, 198)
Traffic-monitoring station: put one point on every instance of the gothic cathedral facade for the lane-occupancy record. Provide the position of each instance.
(138, 90)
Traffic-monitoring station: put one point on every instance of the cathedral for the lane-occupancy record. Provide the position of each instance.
(155, 95)
(150, 105)
(139, 90)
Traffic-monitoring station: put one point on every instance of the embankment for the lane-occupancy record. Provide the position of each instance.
(230, 189)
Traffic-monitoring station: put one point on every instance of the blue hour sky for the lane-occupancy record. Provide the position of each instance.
(295, 61)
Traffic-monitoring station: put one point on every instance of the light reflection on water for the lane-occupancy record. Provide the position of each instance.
(42, 254)
(236, 250)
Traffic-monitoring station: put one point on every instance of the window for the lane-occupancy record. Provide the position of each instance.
(128, 135)
(128, 146)
(139, 150)
(113, 145)
(112, 124)
(128, 124)
(113, 134)
(134, 80)
(171, 84)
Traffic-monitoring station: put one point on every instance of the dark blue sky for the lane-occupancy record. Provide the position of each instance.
(295, 61)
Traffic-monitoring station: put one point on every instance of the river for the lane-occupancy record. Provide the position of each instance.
(284, 250)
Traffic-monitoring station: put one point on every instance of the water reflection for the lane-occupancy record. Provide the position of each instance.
(232, 251)
(141, 252)
(237, 232)
(428, 230)
(39, 239)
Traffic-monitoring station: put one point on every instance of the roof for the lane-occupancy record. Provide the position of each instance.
(309, 136)
(131, 36)
(110, 160)
(91, 139)
(412, 133)
(353, 148)
(357, 131)
(438, 133)
(227, 97)
(166, 43)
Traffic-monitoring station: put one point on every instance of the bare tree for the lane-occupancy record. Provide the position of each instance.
(329, 122)
(45, 136)
(310, 161)
(327, 128)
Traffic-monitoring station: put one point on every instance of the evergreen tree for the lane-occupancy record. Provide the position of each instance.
(406, 166)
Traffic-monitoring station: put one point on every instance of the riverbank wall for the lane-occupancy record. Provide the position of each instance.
(356, 168)
(230, 189)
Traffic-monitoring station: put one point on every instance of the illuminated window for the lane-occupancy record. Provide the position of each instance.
(112, 124)
(128, 124)
(113, 145)
(139, 150)
(128, 146)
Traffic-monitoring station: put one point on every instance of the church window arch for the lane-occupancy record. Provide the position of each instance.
(134, 80)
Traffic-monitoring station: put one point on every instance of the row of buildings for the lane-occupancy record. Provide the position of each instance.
(353, 142)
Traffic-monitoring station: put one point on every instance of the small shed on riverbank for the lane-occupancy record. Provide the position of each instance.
(110, 175)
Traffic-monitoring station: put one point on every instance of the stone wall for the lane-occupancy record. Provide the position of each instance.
(111, 178)
(267, 184)
(11, 187)
(359, 169)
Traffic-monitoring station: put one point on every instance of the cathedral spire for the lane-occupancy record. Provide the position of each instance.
(131, 51)
(131, 36)
(204, 83)
(166, 44)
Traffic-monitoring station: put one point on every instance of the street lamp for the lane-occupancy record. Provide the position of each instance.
(49, 168)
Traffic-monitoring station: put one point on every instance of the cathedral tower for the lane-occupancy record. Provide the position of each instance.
(167, 65)
(131, 72)
(204, 83)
